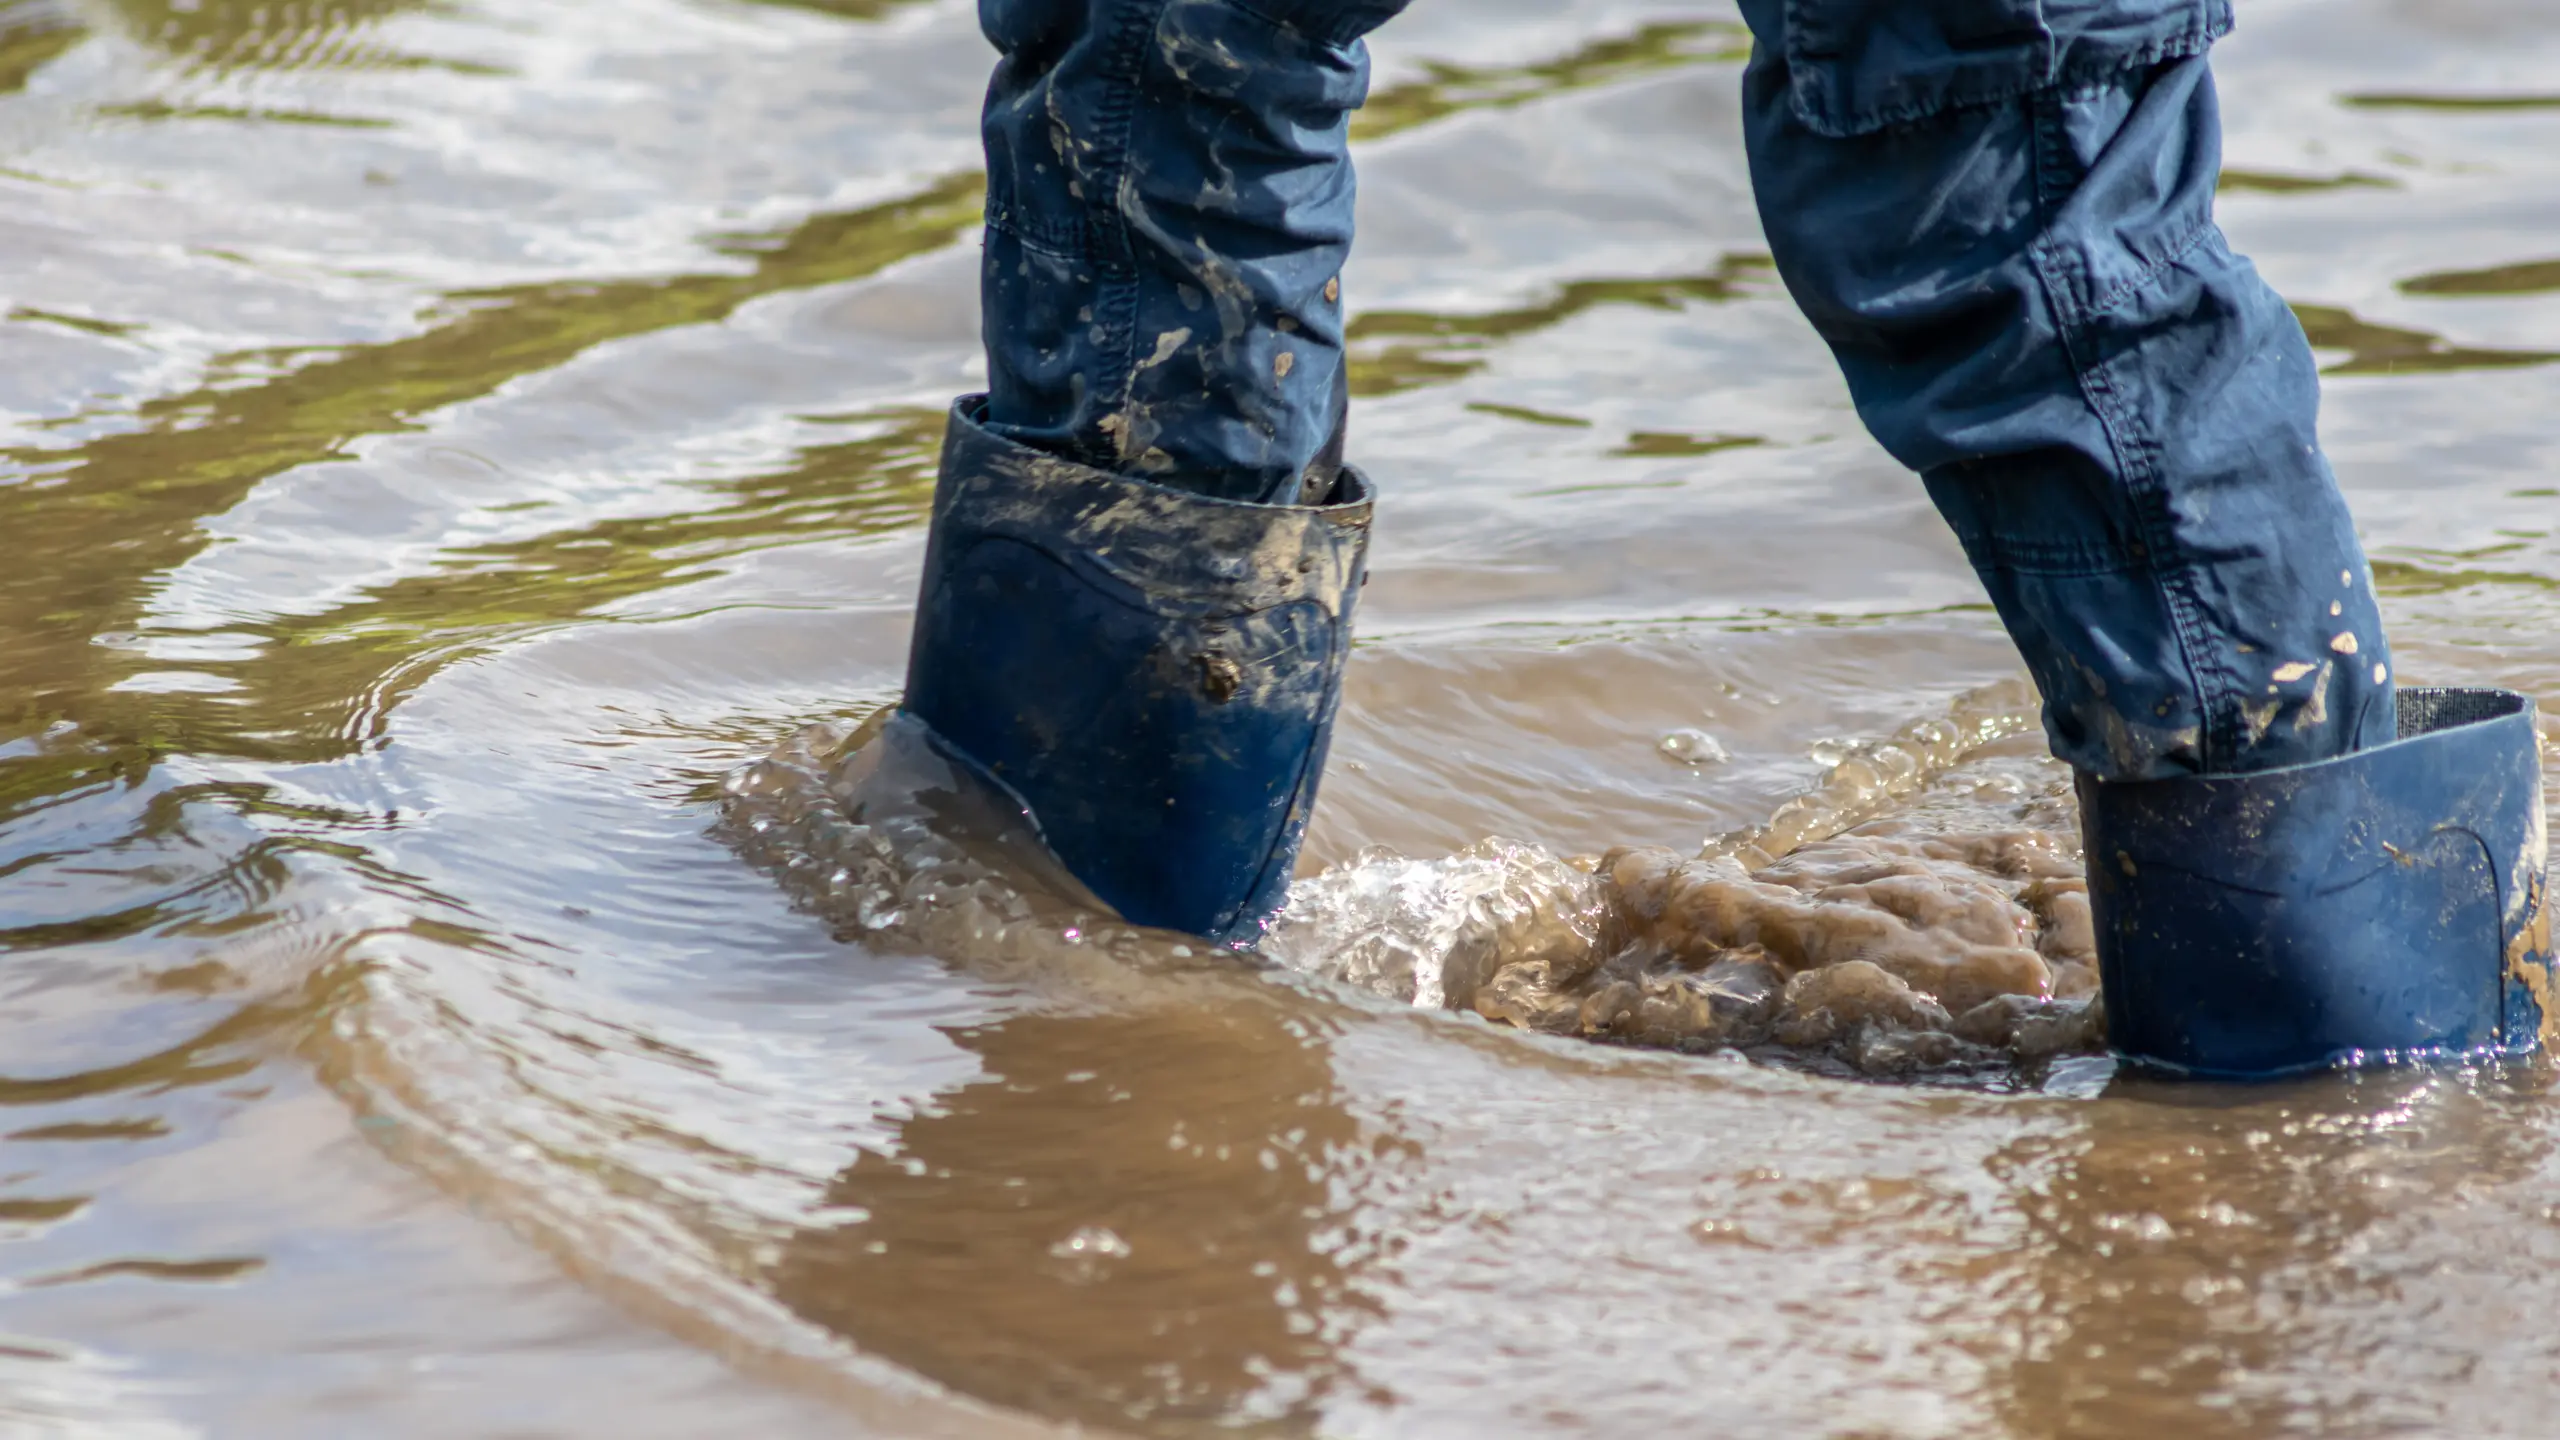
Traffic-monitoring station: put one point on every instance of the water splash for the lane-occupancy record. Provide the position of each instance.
(1435, 931)
(871, 826)
(1920, 910)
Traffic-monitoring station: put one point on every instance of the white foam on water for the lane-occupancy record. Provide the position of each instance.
(1920, 910)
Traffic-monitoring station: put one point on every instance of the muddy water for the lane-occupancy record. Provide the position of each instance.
(445, 450)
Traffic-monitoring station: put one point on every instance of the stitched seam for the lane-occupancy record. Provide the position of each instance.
(2173, 571)
(1960, 97)
(2044, 122)
(2172, 574)
(1115, 261)
(1257, 12)
(2043, 557)
(1344, 28)
(1244, 7)
(2216, 24)
(1349, 29)
(1122, 62)
(2133, 285)
(1065, 240)
(2021, 556)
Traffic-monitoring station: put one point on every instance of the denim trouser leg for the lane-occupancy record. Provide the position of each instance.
(1169, 199)
(2000, 216)
(1998, 213)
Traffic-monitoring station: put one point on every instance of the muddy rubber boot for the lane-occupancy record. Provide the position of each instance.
(2387, 905)
(1152, 672)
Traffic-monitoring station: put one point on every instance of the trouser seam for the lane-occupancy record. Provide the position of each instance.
(1988, 550)
(1344, 29)
(2172, 572)
(2134, 284)
(1058, 242)
(1115, 257)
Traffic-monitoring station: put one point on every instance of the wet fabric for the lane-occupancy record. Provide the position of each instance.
(1169, 197)
(2009, 245)
(1998, 213)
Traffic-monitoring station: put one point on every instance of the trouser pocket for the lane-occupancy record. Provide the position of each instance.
(1858, 66)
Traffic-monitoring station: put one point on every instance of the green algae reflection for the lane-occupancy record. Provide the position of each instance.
(268, 34)
(99, 525)
(104, 520)
(2533, 277)
(1393, 351)
(31, 36)
(1445, 89)
(842, 9)
(2391, 350)
(349, 667)
(2277, 182)
(2408, 571)
(1674, 444)
(2455, 104)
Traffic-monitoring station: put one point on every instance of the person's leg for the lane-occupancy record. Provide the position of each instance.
(1999, 213)
(2003, 225)
(1138, 588)
(1169, 197)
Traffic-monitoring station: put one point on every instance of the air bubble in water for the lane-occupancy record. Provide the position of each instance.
(1694, 747)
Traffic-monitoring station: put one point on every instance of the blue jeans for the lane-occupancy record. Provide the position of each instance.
(1998, 213)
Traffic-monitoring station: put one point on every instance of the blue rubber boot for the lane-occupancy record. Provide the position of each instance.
(2385, 905)
(1153, 672)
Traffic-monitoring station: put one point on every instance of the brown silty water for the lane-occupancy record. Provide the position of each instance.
(1869, 923)
(463, 470)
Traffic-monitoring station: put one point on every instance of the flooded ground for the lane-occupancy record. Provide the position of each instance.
(445, 448)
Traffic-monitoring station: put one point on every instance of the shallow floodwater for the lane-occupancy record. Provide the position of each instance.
(461, 477)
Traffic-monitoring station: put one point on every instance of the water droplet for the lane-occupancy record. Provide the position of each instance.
(1092, 1240)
